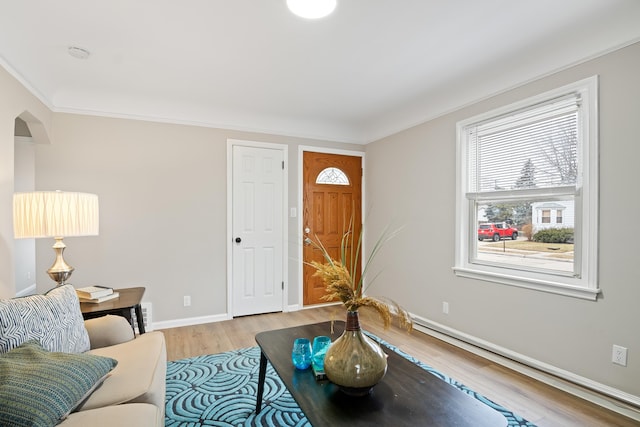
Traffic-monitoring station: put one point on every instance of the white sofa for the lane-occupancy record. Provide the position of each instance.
(133, 392)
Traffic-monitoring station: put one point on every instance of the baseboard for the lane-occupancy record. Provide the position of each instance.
(166, 324)
(29, 290)
(311, 307)
(600, 394)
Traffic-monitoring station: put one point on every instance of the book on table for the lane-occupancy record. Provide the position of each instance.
(98, 300)
(96, 291)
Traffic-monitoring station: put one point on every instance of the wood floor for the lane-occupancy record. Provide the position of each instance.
(539, 403)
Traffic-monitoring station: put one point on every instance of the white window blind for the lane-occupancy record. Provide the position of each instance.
(534, 148)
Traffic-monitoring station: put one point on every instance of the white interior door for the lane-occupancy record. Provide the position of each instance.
(257, 230)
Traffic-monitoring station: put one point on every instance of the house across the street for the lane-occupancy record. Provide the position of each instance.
(558, 214)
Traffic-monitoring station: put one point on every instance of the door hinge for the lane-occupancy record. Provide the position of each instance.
(283, 286)
(283, 165)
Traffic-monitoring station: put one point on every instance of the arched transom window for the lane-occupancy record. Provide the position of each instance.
(333, 176)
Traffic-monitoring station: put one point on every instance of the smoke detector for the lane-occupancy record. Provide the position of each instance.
(78, 52)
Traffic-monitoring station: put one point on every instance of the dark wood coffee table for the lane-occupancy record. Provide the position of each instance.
(407, 395)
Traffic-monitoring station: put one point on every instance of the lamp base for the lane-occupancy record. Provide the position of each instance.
(60, 270)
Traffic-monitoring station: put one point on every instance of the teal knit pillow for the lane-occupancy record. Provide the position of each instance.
(40, 388)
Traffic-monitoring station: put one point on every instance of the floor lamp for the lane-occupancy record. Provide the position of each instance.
(56, 214)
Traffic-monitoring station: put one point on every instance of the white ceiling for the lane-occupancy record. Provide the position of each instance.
(370, 69)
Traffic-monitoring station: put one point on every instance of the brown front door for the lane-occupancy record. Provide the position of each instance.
(332, 196)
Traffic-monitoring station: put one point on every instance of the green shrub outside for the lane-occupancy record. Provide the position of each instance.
(554, 235)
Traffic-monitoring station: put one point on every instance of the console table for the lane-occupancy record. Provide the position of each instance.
(406, 396)
(129, 299)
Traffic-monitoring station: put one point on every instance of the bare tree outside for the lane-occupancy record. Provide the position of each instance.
(560, 150)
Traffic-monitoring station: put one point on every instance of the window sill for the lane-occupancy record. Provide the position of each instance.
(529, 283)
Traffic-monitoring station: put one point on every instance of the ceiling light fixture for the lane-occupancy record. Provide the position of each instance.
(78, 52)
(311, 9)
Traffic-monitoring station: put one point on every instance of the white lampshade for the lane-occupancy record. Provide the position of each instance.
(311, 9)
(55, 214)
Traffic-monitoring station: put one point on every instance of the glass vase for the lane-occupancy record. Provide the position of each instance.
(355, 362)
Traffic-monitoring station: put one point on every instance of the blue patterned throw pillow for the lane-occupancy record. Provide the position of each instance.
(54, 319)
(40, 388)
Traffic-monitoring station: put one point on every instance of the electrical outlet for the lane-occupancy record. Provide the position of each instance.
(445, 307)
(619, 355)
(187, 300)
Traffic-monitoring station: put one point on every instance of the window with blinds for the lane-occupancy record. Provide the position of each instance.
(516, 166)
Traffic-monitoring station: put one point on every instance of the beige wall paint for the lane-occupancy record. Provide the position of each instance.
(14, 101)
(162, 191)
(24, 249)
(411, 180)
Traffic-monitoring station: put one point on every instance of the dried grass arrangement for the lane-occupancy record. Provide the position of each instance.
(337, 276)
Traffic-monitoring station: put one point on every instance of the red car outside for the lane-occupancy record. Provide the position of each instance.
(496, 231)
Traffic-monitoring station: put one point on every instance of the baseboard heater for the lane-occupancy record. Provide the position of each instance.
(146, 317)
(592, 391)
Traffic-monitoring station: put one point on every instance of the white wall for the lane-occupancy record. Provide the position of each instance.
(411, 179)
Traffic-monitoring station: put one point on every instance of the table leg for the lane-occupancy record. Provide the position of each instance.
(140, 319)
(126, 313)
(261, 377)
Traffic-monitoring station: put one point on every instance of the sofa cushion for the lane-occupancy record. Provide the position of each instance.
(140, 375)
(108, 330)
(40, 388)
(131, 414)
(53, 319)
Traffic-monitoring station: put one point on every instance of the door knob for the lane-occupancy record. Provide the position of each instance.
(238, 240)
(306, 230)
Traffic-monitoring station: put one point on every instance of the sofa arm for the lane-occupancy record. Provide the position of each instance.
(108, 330)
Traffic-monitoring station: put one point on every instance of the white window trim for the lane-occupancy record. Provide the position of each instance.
(583, 285)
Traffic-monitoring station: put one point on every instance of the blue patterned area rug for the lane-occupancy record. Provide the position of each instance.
(220, 390)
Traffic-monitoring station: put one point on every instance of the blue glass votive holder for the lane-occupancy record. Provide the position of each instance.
(320, 346)
(301, 353)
